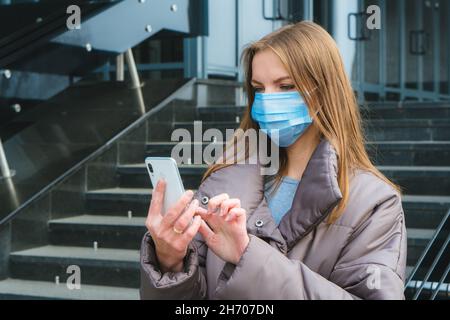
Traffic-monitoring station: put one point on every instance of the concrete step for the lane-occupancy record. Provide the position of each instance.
(425, 211)
(420, 180)
(104, 266)
(408, 129)
(417, 242)
(119, 201)
(17, 289)
(409, 110)
(410, 153)
(108, 231)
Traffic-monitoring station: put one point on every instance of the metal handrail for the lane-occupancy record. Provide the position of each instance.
(96, 153)
(435, 261)
(431, 269)
(5, 171)
(440, 282)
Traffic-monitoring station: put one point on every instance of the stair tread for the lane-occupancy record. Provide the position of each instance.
(103, 254)
(415, 168)
(426, 199)
(414, 121)
(101, 220)
(143, 191)
(416, 233)
(400, 142)
(49, 290)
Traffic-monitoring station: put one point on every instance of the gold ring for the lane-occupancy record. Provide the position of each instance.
(177, 231)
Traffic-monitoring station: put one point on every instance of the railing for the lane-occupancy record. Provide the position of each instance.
(436, 252)
(5, 171)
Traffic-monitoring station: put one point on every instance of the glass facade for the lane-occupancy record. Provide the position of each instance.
(407, 58)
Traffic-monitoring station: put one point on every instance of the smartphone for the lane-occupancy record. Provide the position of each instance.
(166, 168)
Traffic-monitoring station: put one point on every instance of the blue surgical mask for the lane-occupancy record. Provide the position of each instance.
(284, 113)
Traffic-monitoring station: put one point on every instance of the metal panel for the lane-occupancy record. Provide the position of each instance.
(222, 40)
(131, 22)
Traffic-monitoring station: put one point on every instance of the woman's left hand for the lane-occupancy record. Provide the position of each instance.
(224, 227)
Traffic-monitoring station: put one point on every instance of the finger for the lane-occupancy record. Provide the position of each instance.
(235, 213)
(205, 231)
(192, 230)
(216, 201)
(207, 216)
(186, 217)
(157, 198)
(201, 211)
(174, 212)
(154, 216)
(227, 204)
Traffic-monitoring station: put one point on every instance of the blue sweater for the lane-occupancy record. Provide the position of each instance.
(280, 201)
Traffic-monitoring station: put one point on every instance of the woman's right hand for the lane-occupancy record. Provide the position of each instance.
(172, 231)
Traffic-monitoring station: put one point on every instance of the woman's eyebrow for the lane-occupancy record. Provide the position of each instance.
(276, 81)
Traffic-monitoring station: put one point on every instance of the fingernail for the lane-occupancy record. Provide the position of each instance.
(190, 193)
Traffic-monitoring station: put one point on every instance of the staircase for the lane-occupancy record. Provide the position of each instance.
(410, 145)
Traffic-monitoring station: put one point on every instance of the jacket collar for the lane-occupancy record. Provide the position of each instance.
(317, 194)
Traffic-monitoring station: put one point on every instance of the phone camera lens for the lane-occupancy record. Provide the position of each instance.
(150, 168)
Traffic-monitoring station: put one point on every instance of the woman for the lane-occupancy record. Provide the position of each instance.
(329, 225)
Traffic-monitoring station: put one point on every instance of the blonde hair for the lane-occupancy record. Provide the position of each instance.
(312, 59)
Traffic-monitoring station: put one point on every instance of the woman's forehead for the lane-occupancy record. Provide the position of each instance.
(266, 66)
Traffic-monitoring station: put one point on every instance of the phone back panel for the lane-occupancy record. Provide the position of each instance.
(166, 168)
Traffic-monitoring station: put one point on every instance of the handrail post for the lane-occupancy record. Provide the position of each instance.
(135, 78)
(5, 171)
(120, 68)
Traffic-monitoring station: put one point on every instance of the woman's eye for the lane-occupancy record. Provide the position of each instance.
(285, 88)
(288, 87)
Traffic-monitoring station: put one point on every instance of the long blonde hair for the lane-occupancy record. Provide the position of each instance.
(312, 59)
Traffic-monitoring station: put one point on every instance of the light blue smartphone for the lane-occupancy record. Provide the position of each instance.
(166, 168)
